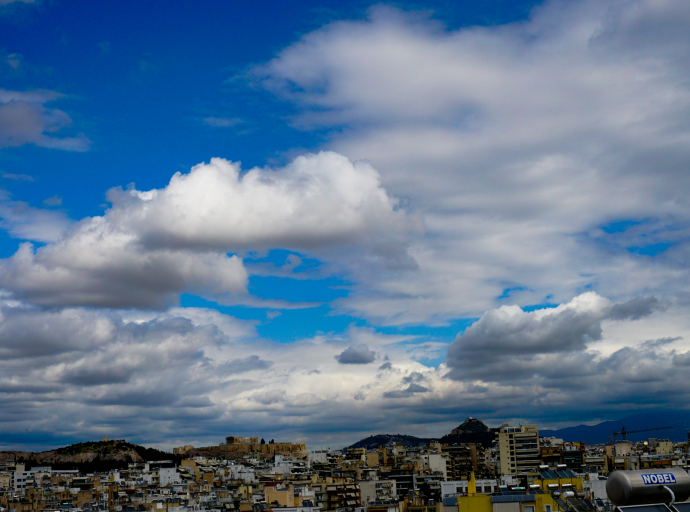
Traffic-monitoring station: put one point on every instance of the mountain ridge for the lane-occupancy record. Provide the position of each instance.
(599, 433)
(473, 430)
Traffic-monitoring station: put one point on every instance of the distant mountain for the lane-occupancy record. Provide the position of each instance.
(471, 430)
(373, 442)
(90, 456)
(594, 434)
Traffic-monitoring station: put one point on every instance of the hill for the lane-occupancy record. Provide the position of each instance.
(373, 442)
(594, 434)
(90, 456)
(471, 430)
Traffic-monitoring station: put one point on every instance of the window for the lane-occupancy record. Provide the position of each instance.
(547, 508)
(529, 508)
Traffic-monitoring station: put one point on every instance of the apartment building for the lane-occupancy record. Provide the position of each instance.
(519, 449)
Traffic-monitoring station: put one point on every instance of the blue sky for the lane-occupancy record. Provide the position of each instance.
(139, 82)
(472, 197)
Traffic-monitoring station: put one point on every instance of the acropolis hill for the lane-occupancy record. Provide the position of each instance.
(246, 444)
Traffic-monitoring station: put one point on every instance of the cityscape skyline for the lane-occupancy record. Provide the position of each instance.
(473, 468)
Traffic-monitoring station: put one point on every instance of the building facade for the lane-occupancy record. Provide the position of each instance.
(519, 449)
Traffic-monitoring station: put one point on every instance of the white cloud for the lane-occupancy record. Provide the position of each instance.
(23, 221)
(24, 119)
(222, 122)
(7, 2)
(17, 177)
(516, 143)
(316, 200)
(53, 201)
(151, 246)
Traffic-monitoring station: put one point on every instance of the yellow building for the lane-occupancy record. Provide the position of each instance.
(507, 503)
(283, 496)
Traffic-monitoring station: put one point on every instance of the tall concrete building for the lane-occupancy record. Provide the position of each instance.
(519, 449)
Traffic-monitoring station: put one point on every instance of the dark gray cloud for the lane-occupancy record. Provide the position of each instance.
(88, 375)
(138, 398)
(634, 309)
(408, 391)
(57, 333)
(356, 354)
(660, 342)
(88, 367)
(510, 345)
(510, 335)
(76, 272)
(247, 364)
(25, 119)
(682, 359)
(413, 377)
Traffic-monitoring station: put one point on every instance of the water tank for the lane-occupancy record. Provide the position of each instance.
(647, 486)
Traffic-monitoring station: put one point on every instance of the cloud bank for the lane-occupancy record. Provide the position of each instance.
(191, 375)
(526, 146)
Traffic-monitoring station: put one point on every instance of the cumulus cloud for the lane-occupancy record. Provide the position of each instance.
(318, 199)
(25, 119)
(508, 343)
(511, 139)
(151, 246)
(356, 354)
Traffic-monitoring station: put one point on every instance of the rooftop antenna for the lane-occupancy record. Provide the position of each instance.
(624, 432)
